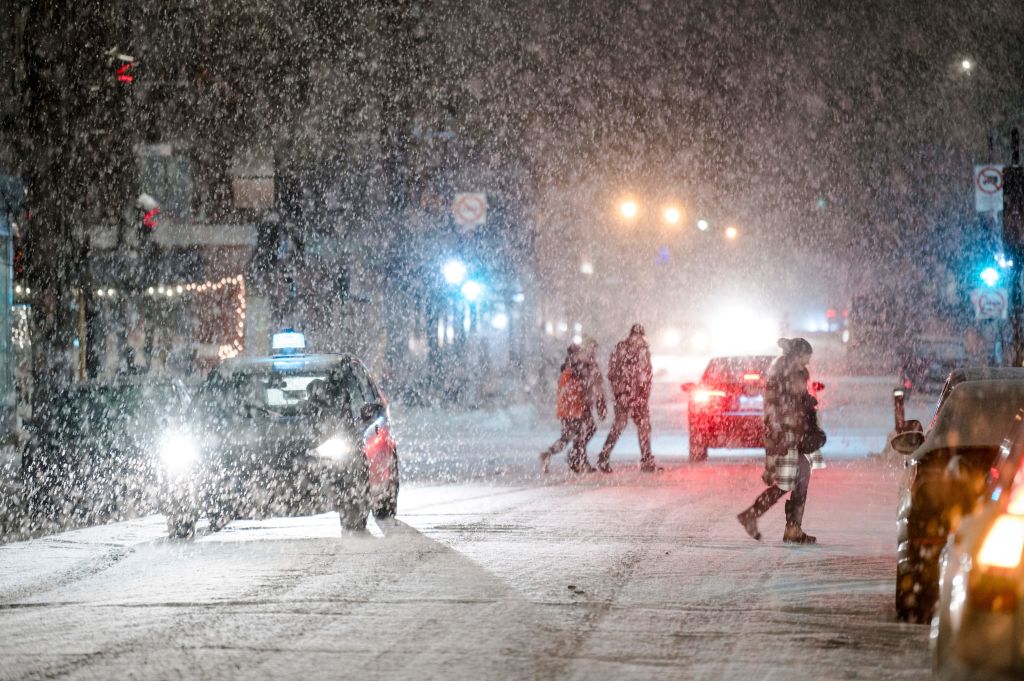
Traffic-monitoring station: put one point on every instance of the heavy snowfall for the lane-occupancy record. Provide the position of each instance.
(511, 339)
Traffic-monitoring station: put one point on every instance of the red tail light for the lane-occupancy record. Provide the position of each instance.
(704, 395)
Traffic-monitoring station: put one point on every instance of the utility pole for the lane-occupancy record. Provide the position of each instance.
(1013, 240)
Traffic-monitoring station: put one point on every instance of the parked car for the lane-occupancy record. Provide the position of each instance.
(978, 630)
(291, 434)
(944, 476)
(726, 409)
(92, 454)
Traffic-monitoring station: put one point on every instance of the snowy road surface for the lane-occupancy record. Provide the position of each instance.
(504, 577)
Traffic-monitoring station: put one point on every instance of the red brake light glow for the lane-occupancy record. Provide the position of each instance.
(751, 377)
(704, 395)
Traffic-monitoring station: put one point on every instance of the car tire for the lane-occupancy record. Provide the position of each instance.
(698, 447)
(910, 603)
(388, 507)
(354, 503)
(181, 525)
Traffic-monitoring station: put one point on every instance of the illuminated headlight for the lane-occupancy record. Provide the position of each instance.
(337, 449)
(178, 452)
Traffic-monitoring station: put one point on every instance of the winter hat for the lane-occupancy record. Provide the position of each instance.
(795, 346)
(636, 330)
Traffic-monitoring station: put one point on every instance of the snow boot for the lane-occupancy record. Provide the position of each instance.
(749, 522)
(604, 467)
(795, 535)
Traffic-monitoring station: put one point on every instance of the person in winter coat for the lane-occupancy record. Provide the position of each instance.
(793, 439)
(579, 392)
(630, 375)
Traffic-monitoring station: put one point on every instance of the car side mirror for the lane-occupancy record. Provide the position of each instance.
(912, 426)
(688, 386)
(371, 411)
(907, 442)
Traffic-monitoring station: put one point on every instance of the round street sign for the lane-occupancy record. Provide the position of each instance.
(469, 209)
(989, 179)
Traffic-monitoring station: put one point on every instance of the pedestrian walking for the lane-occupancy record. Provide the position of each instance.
(580, 392)
(793, 441)
(630, 375)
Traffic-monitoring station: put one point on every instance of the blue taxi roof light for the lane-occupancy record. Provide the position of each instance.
(289, 341)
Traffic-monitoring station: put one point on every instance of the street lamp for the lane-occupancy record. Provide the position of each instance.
(629, 209)
(586, 267)
(731, 232)
(672, 215)
(966, 66)
(471, 290)
(703, 225)
(454, 272)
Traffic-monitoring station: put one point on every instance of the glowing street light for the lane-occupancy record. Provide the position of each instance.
(703, 225)
(454, 272)
(672, 215)
(966, 66)
(990, 276)
(731, 232)
(587, 267)
(629, 209)
(471, 290)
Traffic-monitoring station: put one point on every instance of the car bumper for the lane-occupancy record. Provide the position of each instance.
(738, 429)
(301, 486)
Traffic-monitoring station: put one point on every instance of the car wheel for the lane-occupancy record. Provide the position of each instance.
(388, 507)
(354, 502)
(910, 595)
(181, 525)
(698, 447)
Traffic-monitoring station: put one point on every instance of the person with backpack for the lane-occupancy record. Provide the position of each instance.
(579, 390)
(793, 440)
(630, 375)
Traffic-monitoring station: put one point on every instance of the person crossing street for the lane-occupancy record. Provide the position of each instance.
(580, 392)
(630, 375)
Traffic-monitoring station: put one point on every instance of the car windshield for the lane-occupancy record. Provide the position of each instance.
(736, 369)
(273, 394)
(977, 414)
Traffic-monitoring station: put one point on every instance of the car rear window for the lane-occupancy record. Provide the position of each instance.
(736, 369)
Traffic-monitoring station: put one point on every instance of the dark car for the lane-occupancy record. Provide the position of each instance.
(945, 474)
(726, 409)
(282, 436)
(92, 454)
(978, 630)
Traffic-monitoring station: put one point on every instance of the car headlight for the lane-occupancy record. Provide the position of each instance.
(336, 448)
(178, 452)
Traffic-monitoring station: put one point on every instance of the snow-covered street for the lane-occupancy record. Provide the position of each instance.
(491, 576)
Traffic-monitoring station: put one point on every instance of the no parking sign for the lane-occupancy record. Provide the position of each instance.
(469, 209)
(988, 188)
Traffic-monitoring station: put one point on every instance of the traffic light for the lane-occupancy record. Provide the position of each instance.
(123, 66)
(149, 211)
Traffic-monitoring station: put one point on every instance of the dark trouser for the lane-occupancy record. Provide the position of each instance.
(795, 504)
(579, 432)
(642, 418)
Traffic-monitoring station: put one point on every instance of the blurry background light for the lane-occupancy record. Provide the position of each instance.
(454, 271)
(471, 290)
(703, 225)
(629, 209)
(672, 215)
